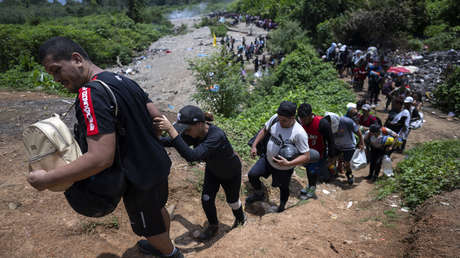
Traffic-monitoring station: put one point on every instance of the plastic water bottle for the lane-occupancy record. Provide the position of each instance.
(387, 167)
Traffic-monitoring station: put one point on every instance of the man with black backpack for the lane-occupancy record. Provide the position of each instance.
(283, 130)
(122, 156)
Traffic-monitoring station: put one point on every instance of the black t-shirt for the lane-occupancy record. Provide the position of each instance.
(143, 158)
(214, 149)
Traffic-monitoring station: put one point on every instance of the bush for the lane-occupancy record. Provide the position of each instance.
(219, 70)
(415, 44)
(447, 95)
(30, 75)
(286, 38)
(207, 21)
(104, 37)
(219, 30)
(445, 40)
(325, 34)
(433, 30)
(429, 169)
(382, 26)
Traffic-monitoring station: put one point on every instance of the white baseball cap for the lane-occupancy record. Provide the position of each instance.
(408, 100)
(366, 107)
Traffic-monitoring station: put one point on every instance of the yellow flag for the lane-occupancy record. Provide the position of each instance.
(214, 42)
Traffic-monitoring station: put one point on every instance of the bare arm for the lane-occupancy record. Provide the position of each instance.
(154, 112)
(100, 155)
(300, 160)
(361, 140)
(258, 138)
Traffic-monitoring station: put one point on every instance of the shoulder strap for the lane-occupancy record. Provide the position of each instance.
(272, 123)
(111, 95)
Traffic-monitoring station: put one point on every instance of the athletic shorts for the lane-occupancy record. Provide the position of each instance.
(144, 209)
(317, 167)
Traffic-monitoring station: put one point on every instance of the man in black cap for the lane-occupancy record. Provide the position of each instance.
(283, 128)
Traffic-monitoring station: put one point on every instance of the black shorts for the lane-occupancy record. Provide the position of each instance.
(144, 209)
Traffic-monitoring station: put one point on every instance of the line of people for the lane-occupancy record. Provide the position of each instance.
(129, 146)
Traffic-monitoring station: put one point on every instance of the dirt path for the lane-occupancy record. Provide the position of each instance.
(164, 73)
(41, 224)
(343, 222)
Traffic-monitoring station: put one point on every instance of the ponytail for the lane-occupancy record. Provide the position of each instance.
(208, 116)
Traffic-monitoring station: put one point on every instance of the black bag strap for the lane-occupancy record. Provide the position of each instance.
(276, 119)
(112, 95)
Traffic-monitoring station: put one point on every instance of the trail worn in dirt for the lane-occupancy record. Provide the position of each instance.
(344, 221)
(164, 73)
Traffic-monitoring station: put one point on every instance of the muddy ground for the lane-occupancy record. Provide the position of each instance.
(343, 221)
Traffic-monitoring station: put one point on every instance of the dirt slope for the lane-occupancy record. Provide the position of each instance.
(41, 224)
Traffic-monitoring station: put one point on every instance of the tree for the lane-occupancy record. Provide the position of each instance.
(310, 13)
(219, 84)
(134, 10)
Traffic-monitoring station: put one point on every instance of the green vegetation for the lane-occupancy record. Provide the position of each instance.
(301, 77)
(220, 87)
(388, 23)
(219, 30)
(110, 222)
(429, 169)
(287, 38)
(215, 26)
(105, 37)
(447, 95)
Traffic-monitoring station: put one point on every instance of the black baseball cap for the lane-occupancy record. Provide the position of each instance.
(187, 116)
(287, 109)
(374, 128)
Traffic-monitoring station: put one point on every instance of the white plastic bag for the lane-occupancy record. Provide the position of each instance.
(387, 167)
(358, 160)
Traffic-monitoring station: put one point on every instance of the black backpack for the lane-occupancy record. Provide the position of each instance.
(262, 145)
(100, 194)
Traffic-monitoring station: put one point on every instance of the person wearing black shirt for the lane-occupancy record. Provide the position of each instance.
(223, 166)
(133, 154)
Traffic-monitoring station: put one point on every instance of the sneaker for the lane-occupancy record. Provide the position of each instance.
(176, 254)
(146, 248)
(238, 222)
(374, 178)
(305, 190)
(310, 193)
(350, 179)
(208, 233)
(281, 208)
(369, 177)
(255, 197)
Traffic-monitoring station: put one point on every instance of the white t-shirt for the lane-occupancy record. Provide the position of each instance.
(404, 133)
(294, 134)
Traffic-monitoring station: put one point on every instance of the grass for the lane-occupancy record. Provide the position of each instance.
(300, 172)
(429, 169)
(198, 176)
(109, 223)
